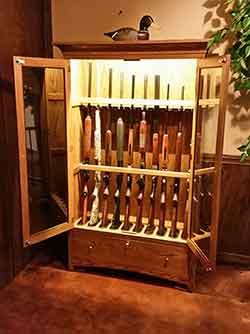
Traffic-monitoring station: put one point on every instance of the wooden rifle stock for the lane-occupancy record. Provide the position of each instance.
(165, 148)
(141, 180)
(106, 177)
(155, 165)
(120, 138)
(86, 158)
(173, 230)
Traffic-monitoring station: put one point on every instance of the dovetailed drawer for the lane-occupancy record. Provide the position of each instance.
(100, 249)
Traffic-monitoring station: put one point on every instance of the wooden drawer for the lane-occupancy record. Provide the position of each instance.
(164, 260)
(100, 249)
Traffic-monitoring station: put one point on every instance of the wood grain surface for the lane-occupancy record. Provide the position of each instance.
(166, 260)
(27, 31)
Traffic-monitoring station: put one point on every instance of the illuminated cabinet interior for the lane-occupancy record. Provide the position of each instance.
(131, 149)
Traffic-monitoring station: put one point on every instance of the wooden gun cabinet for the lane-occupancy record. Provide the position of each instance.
(180, 89)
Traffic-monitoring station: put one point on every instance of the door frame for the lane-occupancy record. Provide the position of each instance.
(19, 63)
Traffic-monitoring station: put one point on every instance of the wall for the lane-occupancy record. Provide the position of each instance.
(80, 20)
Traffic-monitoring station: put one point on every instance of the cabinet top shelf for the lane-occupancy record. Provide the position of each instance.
(183, 48)
(186, 104)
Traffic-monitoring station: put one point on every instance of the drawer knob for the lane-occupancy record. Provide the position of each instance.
(91, 245)
(127, 244)
(166, 261)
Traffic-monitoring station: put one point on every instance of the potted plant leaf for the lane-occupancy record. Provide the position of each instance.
(237, 32)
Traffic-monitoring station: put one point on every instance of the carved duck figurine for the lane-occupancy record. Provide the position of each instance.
(128, 33)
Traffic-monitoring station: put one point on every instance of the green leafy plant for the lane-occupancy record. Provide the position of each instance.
(245, 149)
(237, 32)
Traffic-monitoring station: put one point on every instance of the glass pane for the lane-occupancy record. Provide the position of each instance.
(202, 203)
(207, 116)
(45, 132)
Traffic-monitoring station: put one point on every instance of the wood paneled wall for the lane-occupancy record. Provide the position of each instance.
(234, 228)
(26, 30)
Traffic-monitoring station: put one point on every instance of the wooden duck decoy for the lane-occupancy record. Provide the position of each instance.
(128, 33)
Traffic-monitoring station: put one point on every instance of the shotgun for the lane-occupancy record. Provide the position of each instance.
(141, 180)
(108, 158)
(126, 225)
(165, 148)
(178, 153)
(86, 159)
(119, 147)
(155, 160)
(142, 149)
(86, 148)
(155, 165)
(106, 178)
(94, 215)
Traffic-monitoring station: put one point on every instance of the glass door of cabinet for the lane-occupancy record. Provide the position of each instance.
(212, 85)
(41, 87)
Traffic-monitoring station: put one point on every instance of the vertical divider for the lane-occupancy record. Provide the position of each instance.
(193, 148)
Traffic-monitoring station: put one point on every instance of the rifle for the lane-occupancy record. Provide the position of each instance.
(142, 149)
(127, 224)
(141, 180)
(162, 228)
(119, 146)
(106, 177)
(86, 159)
(86, 148)
(94, 215)
(155, 161)
(155, 165)
(173, 230)
(108, 157)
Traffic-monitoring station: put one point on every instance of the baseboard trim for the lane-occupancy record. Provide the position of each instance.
(232, 258)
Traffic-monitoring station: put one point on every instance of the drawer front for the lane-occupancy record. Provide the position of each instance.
(163, 260)
(121, 252)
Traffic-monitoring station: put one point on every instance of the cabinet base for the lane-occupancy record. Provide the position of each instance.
(167, 260)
